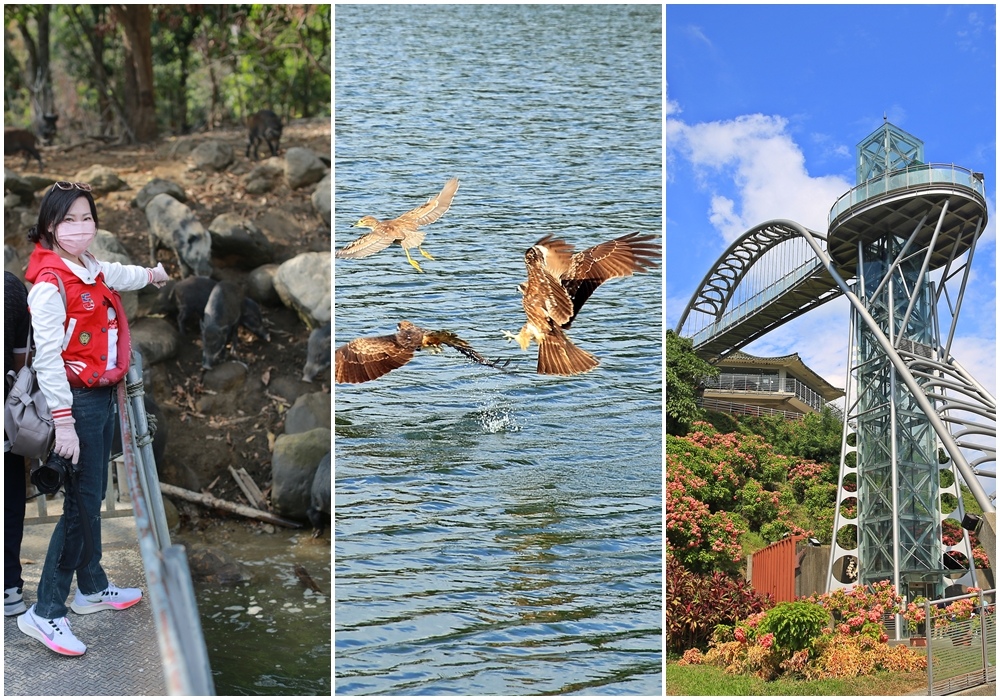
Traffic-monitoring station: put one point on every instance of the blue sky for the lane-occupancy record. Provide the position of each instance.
(765, 105)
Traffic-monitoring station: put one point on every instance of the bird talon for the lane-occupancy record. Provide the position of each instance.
(425, 253)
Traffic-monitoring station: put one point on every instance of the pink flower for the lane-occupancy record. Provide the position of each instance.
(767, 640)
(740, 635)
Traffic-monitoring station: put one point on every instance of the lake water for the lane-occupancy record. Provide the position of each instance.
(498, 533)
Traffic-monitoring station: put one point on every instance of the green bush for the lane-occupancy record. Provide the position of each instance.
(794, 625)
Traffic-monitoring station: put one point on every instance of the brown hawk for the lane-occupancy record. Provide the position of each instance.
(559, 284)
(364, 359)
(403, 229)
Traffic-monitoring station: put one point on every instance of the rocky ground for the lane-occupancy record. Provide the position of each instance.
(226, 416)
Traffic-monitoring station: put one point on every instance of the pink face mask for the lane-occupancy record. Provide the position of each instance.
(75, 236)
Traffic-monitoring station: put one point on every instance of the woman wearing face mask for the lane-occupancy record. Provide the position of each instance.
(82, 351)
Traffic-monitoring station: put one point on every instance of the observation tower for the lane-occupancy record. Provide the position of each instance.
(914, 415)
(899, 247)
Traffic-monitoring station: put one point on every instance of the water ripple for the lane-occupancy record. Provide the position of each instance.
(498, 533)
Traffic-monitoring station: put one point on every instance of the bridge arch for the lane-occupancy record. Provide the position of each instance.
(768, 276)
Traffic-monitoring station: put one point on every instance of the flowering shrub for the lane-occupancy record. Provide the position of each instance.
(862, 605)
(797, 640)
(956, 611)
(691, 657)
(849, 656)
(697, 605)
(719, 486)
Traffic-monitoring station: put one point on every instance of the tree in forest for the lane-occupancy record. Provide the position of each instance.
(35, 72)
(131, 72)
(140, 96)
(685, 372)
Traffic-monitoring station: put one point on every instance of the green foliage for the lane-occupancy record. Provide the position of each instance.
(794, 624)
(684, 374)
(723, 422)
(213, 65)
(816, 436)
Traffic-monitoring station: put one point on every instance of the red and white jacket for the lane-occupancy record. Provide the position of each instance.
(84, 342)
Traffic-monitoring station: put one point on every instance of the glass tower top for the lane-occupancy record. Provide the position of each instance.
(886, 149)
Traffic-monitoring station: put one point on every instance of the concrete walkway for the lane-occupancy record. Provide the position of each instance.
(123, 655)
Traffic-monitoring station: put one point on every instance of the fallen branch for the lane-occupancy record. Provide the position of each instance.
(248, 487)
(213, 502)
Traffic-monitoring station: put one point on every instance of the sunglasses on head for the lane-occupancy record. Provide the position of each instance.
(82, 186)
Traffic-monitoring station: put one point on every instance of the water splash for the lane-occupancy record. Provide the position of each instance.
(496, 415)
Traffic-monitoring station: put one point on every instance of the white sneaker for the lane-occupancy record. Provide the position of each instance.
(13, 602)
(55, 634)
(111, 598)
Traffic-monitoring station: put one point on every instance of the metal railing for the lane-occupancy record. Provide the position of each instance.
(911, 178)
(171, 593)
(766, 384)
(745, 409)
(961, 653)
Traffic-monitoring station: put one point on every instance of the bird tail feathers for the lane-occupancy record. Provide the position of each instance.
(558, 355)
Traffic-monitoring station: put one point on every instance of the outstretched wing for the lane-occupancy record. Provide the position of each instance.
(557, 254)
(453, 341)
(589, 269)
(434, 208)
(364, 359)
(369, 244)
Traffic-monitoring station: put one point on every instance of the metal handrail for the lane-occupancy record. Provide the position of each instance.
(909, 178)
(171, 594)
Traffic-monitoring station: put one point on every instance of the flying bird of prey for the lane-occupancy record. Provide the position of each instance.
(364, 359)
(404, 229)
(559, 284)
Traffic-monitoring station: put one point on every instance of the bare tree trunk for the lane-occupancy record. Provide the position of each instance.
(37, 73)
(140, 105)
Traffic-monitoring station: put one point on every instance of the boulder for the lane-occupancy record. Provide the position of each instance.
(303, 283)
(309, 411)
(106, 246)
(265, 176)
(156, 338)
(19, 186)
(12, 261)
(280, 227)
(211, 155)
(214, 565)
(240, 241)
(260, 285)
(321, 197)
(158, 186)
(303, 167)
(293, 466)
(228, 376)
(101, 178)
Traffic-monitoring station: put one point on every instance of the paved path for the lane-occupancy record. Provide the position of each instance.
(123, 656)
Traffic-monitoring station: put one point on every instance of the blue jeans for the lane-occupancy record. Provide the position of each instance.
(94, 412)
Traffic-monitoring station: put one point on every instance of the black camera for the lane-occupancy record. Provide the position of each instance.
(49, 476)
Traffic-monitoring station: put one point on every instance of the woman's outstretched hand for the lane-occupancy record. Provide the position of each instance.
(157, 275)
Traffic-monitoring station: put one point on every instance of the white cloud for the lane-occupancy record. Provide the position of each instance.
(757, 157)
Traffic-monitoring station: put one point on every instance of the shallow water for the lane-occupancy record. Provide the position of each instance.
(270, 636)
(498, 533)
